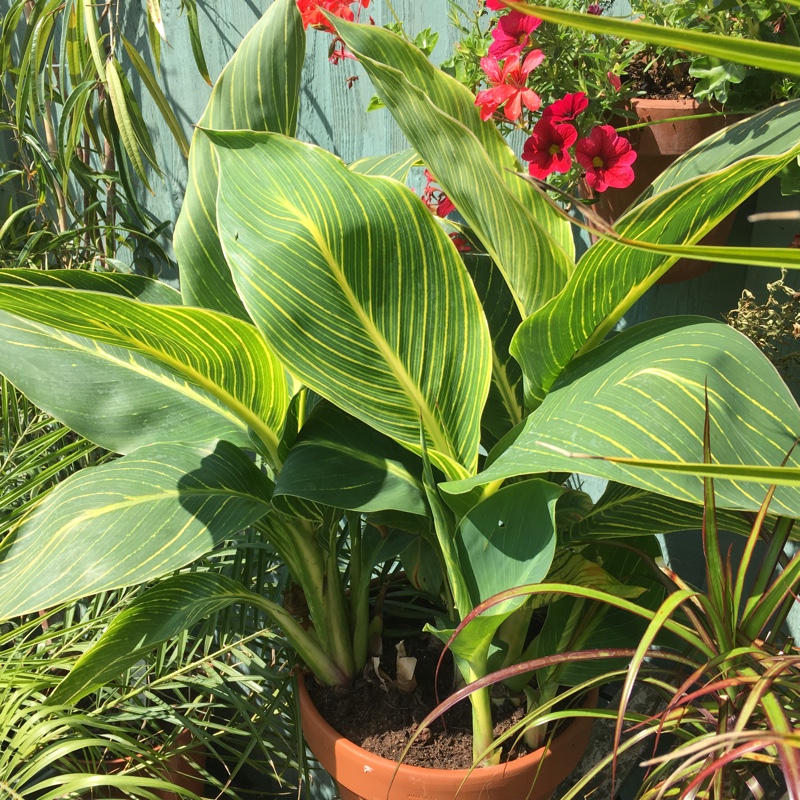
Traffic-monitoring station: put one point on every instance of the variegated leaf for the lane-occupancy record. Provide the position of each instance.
(695, 193)
(129, 521)
(125, 373)
(358, 290)
(257, 90)
(471, 162)
(642, 395)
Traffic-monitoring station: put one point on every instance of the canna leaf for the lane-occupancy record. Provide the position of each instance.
(359, 291)
(257, 90)
(129, 521)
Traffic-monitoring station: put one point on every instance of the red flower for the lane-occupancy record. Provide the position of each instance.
(546, 149)
(615, 81)
(512, 34)
(568, 107)
(461, 243)
(495, 5)
(509, 86)
(607, 157)
(594, 8)
(311, 11)
(436, 200)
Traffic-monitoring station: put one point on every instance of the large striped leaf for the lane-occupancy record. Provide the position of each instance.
(504, 407)
(358, 290)
(257, 90)
(530, 242)
(129, 521)
(340, 462)
(627, 511)
(641, 395)
(700, 189)
(136, 287)
(62, 348)
(396, 165)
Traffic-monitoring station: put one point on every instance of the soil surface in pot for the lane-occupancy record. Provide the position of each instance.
(661, 81)
(383, 721)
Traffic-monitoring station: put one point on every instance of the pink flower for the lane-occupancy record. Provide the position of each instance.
(512, 34)
(568, 107)
(546, 149)
(615, 81)
(607, 157)
(311, 11)
(509, 86)
(594, 8)
(495, 5)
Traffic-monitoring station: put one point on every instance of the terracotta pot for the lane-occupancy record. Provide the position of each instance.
(361, 775)
(181, 769)
(657, 146)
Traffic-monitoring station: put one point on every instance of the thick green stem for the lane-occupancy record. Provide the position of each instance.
(359, 592)
(336, 621)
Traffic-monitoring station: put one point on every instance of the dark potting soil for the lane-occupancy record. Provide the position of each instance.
(383, 721)
(662, 81)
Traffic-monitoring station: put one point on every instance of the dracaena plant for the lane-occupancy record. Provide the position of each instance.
(333, 372)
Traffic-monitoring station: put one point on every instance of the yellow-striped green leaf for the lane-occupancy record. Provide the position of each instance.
(257, 90)
(129, 521)
(471, 162)
(627, 511)
(136, 287)
(779, 58)
(696, 192)
(641, 395)
(340, 462)
(103, 364)
(394, 166)
(358, 290)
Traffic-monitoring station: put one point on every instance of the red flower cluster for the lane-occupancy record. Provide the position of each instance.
(605, 156)
(433, 197)
(311, 11)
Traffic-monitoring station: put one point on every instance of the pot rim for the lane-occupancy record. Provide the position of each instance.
(508, 769)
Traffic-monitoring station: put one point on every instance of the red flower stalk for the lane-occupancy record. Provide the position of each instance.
(607, 157)
(568, 107)
(512, 34)
(546, 149)
(311, 12)
(509, 86)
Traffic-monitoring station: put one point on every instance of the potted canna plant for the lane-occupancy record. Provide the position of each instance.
(334, 372)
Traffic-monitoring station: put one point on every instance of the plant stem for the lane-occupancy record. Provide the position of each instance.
(359, 591)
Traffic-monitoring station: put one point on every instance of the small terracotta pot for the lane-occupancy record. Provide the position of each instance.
(182, 769)
(361, 775)
(657, 146)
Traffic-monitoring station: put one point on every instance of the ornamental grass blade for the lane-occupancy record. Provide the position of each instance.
(129, 521)
(641, 396)
(125, 373)
(257, 90)
(359, 291)
(471, 162)
(697, 191)
(768, 56)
